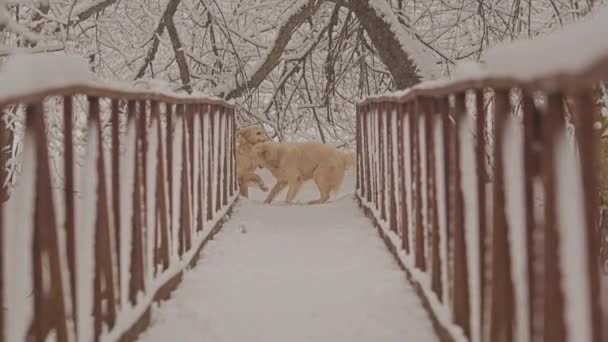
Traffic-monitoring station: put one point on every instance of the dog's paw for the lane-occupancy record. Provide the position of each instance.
(263, 188)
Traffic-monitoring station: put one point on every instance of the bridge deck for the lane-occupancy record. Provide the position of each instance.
(294, 273)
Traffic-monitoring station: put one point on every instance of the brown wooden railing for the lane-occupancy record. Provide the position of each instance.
(498, 231)
(97, 229)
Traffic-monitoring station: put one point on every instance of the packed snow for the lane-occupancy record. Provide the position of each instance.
(294, 273)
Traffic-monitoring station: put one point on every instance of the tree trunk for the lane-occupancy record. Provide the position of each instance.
(385, 41)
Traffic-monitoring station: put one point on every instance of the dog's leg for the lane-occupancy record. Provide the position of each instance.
(260, 182)
(294, 187)
(321, 177)
(324, 198)
(280, 185)
(243, 187)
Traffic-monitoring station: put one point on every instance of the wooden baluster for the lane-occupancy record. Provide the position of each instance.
(218, 146)
(419, 241)
(68, 165)
(210, 163)
(368, 162)
(225, 148)
(461, 289)
(115, 174)
(136, 267)
(200, 178)
(392, 188)
(143, 123)
(588, 142)
(532, 140)
(104, 304)
(49, 311)
(432, 198)
(480, 151)
(161, 234)
(204, 186)
(553, 326)
(402, 116)
(184, 226)
(501, 322)
(358, 185)
(170, 129)
(376, 155)
(383, 175)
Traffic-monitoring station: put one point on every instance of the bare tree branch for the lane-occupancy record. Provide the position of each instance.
(182, 64)
(167, 16)
(273, 56)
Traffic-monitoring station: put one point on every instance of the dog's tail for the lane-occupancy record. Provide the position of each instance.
(349, 159)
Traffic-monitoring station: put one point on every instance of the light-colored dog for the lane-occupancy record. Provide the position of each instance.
(246, 160)
(294, 163)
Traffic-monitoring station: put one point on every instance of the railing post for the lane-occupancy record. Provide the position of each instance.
(480, 150)
(136, 268)
(403, 115)
(375, 111)
(502, 290)
(204, 186)
(170, 109)
(185, 195)
(68, 165)
(210, 163)
(49, 310)
(432, 198)
(461, 272)
(199, 156)
(104, 305)
(368, 145)
(225, 157)
(383, 174)
(359, 185)
(161, 238)
(391, 188)
(588, 145)
(419, 240)
(535, 271)
(115, 175)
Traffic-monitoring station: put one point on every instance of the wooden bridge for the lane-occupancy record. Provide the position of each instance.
(112, 193)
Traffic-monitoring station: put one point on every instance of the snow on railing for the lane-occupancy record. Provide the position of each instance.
(96, 231)
(510, 254)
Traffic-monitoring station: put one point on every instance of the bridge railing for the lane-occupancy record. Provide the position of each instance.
(116, 192)
(497, 231)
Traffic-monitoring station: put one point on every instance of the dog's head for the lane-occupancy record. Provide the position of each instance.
(267, 154)
(252, 135)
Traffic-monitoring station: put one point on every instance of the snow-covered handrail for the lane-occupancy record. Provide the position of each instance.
(33, 77)
(487, 198)
(98, 229)
(567, 60)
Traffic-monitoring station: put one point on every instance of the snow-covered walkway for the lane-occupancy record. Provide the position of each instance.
(294, 273)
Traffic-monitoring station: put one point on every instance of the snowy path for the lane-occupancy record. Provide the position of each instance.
(294, 273)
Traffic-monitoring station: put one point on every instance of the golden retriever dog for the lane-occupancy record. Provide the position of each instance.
(294, 163)
(246, 160)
